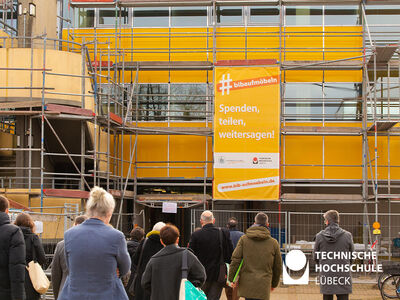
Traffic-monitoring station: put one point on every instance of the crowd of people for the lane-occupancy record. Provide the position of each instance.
(94, 261)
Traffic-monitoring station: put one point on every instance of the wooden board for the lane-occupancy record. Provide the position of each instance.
(69, 110)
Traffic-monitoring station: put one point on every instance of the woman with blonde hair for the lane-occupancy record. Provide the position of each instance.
(94, 252)
(34, 251)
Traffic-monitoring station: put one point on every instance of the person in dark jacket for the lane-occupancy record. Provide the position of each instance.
(136, 235)
(262, 262)
(333, 239)
(59, 270)
(206, 245)
(235, 235)
(163, 273)
(34, 251)
(147, 248)
(12, 257)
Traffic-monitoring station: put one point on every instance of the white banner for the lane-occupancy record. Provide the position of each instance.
(246, 160)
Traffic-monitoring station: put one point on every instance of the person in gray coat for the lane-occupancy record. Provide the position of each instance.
(95, 254)
(59, 270)
(334, 239)
(163, 273)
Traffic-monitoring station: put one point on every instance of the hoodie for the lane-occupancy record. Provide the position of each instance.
(333, 239)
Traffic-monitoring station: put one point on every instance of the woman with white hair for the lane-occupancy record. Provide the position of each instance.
(147, 248)
(94, 252)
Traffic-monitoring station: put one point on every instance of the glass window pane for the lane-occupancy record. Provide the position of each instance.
(229, 14)
(342, 15)
(264, 14)
(151, 17)
(343, 101)
(297, 101)
(84, 17)
(383, 14)
(189, 16)
(152, 102)
(304, 15)
(188, 101)
(107, 16)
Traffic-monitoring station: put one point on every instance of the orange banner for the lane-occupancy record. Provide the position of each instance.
(247, 133)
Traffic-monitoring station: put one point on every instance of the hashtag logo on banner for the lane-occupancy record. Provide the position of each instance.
(225, 84)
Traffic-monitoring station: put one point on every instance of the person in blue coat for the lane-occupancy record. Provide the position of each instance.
(96, 254)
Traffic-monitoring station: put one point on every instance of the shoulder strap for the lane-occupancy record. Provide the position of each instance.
(185, 264)
(33, 248)
(221, 259)
(141, 254)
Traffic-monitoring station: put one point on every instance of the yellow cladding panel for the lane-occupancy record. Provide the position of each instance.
(340, 43)
(189, 148)
(263, 43)
(303, 43)
(303, 76)
(190, 45)
(302, 150)
(231, 43)
(337, 153)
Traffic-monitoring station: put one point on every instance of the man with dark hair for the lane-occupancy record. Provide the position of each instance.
(262, 264)
(235, 235)
(12, 257)
(59, 269)
(207, 244)
(337, 240)
(163, 273)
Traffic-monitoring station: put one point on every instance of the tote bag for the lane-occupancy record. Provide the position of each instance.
(187, 290)
(39, 280)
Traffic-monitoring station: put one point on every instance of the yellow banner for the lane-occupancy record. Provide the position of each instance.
(246, 133)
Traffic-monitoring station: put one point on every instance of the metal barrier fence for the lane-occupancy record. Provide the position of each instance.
(297, 230)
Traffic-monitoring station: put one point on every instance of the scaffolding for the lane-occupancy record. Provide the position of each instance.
(110, 63)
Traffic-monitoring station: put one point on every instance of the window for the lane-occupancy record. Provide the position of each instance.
(343, 101)
(229, 14)
(188, 16)
(303, 101)
(383, 14)
(84, 17)
(304, 15)
(188, 101)
(342, 15)
(108, 16)
(264, 14)
(151, 17)
(153, 104)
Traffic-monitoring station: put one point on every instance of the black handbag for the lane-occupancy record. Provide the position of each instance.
(222, 275)
(131, 286)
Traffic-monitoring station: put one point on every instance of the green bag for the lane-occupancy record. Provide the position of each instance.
(187, 290)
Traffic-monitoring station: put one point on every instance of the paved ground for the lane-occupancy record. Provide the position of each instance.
(311, 292)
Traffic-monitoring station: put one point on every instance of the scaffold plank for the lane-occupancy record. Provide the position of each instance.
(322, 65)
(320, 130)
(115, 118)
(118, 194)
(65, 193)
(16, 205)
(382, 126)
(246, 62)
(149, 3)
(20, 104)
(23, 112)
(170, 130)
(321, 197)
(383, 54)
(165, 65)
(173, 197)
(69, 110)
